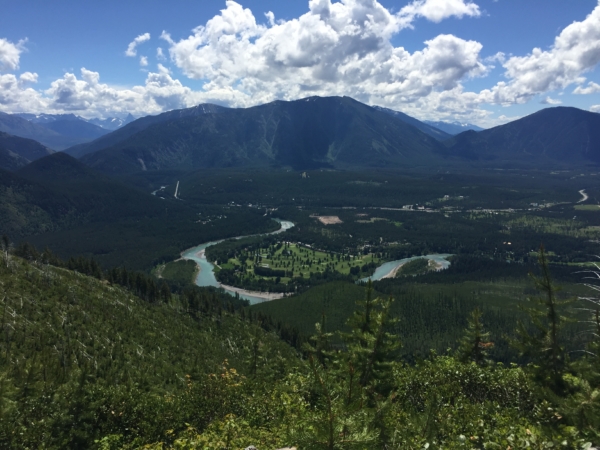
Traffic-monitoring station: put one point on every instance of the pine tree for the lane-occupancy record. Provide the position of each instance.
(475, 342)
(371, 346)
(543, 347)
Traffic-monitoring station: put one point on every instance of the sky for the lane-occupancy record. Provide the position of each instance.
(482, 61)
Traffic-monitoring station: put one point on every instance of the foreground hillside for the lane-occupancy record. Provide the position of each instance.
(86, 364)
(81, 357)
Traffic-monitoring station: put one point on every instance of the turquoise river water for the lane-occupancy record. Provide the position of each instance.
(206, 274)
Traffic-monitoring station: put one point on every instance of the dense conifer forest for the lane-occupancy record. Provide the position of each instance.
(93, 359)
(107, 343)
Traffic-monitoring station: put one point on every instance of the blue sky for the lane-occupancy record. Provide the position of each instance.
(461, 60)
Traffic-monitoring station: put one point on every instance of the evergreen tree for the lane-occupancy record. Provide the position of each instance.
(371, 346)
(475, 342)
(543, 346)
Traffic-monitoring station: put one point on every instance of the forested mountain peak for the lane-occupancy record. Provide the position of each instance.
(135, 126)
(559, 134)
(58, 167)
(312, 132)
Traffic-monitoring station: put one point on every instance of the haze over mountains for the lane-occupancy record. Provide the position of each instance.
(58, 131)
(331, 132)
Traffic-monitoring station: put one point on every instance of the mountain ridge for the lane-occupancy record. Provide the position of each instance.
(562, 134)
(138, 125)
(424, 126)
(16, 152)
(307, 133)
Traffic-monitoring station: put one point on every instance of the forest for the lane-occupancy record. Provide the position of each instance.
(107, 343)
(111, 366)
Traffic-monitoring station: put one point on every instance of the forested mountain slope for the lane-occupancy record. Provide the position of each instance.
(141, 124)
(552, 135)
(308, 133)
(58, 192)
(81, 358)
(16, 152)
(85, 363)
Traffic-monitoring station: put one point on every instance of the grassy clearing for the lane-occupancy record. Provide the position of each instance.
(181, 272)
(587, 207)
(298, 261)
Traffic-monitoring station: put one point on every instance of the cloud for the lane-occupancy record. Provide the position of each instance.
(341, 48)
(550, 101)
(575, 51)
(91, 98)
(17, 96)
(346, 47)
(595, 108)
(592, 88)
(131, 48)
(10, 54)
(438, 10)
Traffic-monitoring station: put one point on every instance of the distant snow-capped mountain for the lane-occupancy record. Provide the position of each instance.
(110, 123)
(453, 128)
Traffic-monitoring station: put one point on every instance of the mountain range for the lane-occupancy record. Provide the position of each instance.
(332, 132)
(139, 125)
(110, 123)
(309, 133)
(56, 132)
(561, 135)
(453, 128)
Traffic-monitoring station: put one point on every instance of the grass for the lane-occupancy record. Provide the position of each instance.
(181, 272)
(301, 261)
(587, 207)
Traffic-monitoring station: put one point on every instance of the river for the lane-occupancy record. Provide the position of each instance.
(388, 268)
(206, 274)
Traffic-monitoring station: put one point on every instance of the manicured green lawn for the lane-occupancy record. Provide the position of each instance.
(301, 261)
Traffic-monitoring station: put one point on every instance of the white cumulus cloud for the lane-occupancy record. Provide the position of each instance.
(341, 48)
(438, 10)
(131, 48)
(575, 51)
(592, 88)
(10, 54)
(550, 101)
(595, 108)
(346, 47)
